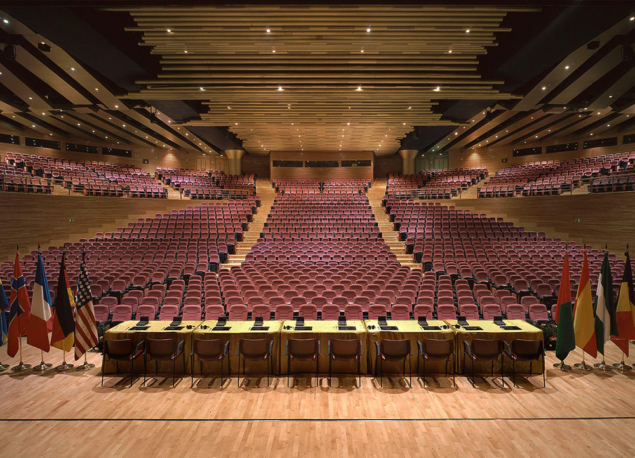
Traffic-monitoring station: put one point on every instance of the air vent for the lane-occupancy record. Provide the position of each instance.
(8, 138)
(629, 139)
(82, 148)
(573, 146)
(41, 143)
(527, 151)
(116, 152)
(321, 164)
(361, 163)
(287, 163)
(610, 141)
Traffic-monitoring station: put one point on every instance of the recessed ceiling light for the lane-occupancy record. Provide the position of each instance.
(6, 21)
(116, 106)
(30, 98)
(359, 88)
(450, 51)
(410, 108)
(631, 19)
(73, 68)
(202, 89)
(273, 51)
(437, 89)
(185, 51)
(268, 30)
(467, 31)
(280, 88)
(32, 125)
(610, 96)
(608, 125)
(544, 87)
(368, 30)
(169, 30)
(566, 67)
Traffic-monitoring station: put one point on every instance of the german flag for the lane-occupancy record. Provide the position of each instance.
(63, 336)
(625, 313)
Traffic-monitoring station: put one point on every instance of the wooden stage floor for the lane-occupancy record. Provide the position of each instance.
(581, 414)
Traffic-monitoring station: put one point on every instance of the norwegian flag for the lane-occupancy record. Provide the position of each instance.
(86, 325)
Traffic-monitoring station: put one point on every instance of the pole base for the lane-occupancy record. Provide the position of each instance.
(21, 367)
(42, 367)
(622, 367)
(583, 366)
(84, 367)
(64, 367)
(603, 366)
(562, 366)
(4, 367)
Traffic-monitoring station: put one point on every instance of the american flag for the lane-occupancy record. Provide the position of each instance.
(86, 326)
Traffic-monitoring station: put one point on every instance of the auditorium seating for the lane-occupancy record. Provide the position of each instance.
(91, 178)
(213, 184)
(547, 178)
(431, 184)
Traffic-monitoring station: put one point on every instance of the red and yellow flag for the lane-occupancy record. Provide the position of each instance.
(583, 315)
(625, 312)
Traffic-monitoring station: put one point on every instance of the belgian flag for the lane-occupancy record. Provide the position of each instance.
(63, 336)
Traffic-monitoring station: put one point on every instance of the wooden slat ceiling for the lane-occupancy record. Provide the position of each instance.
(84, 107)
(590, 93)
(320, 78)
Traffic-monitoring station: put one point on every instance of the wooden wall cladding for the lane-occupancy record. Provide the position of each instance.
(318, 172)
(260, 165)
(31, 219)
(492, 158)
(603, 218)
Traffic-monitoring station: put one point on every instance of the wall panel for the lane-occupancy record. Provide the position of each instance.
(321, 173)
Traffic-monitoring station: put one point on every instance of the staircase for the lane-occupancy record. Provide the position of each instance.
(391, 237)
(267, 195)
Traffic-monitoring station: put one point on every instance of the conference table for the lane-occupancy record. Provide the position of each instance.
(491, 331)
(324, 331)
(411, 330)
(155, 330)
(239, 330)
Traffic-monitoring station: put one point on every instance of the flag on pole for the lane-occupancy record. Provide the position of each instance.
(583, 315)
(86, 326)
(20, 311)
(605, 325)
(625, 312)
(63, 336)
(564, 315)
(38, 332)
(4, 306)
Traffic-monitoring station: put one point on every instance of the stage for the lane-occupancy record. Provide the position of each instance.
(582, 414)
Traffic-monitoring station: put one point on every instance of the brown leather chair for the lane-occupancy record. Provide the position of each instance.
(484, 350)
(303, 350)
(526, 350)
(121, 350)
(254, 350)
(209, 350)
(345, 350)
(437, 350)
(393, 350)
(162, 350)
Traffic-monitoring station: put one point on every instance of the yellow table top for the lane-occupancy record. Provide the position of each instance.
(325, 326)
(239, 327)
(488, 326)
(153, 326)
(407, 325)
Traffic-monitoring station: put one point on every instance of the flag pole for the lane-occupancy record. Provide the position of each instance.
(622, 366)
(583, 366)
(561, 365)
(42, 366)
(21, 366)
(602, 365)
(64, 366)
(86, 366)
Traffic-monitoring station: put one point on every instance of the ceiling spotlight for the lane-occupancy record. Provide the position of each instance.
(368, 30)
(348, 123)
(185, 51)
(202, 89)
(280, 88)
(437, 89)
(544, 87)
(450, 51)
(273, 51)
(362, 50)
(467, 31)
(359, 88)
(6, 21)
(631, 19)
(169, 30)
(410, 108)
(566, 67)
(268, 30)
(72, 68)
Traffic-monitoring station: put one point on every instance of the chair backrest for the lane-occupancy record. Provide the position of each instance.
(212, 312)
(238, 312)
(232, 301)
(160, 348)
(470, 311)
(438, 348)
(319, 302)
(528, 349)
(538, 312)
(303, 348)
(261, 310)
(109, 301)
(254, 348)
(423, 310)
(515, 312)
(309, 312)
(487, 349)
(446, 312)
(118, 348)
(345, 348)
(395, 349)
(376, 310)
(145, 310)
(490, 311)
(284, 312)
(102, 312)
(400, 312)
(340, 301)
(123, 313)
(208, 349)
(192, 312)
(330, 312)
(354, 312)
(168, 312)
